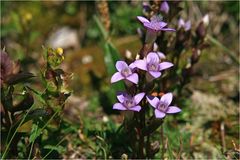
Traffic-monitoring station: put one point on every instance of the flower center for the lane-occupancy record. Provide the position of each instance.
(162, 106)
(126, 72)
(153, 67)
(129, 102)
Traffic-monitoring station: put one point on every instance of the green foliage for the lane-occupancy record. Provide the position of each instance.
(35, 132)
(124, 18)
(27, 110)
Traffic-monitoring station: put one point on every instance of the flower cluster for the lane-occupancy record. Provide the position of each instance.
(152, 67)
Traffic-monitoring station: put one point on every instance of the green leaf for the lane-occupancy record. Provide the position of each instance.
(111, 56)
(35, 132)
(58, 148)
(101, 27)
(38, 94)
(20, 77)
(231, 54)
(45, 51)
(25, 104)
(33, 115)
(16, 22)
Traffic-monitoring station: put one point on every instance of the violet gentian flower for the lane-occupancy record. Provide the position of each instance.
(128, 102)
(185, 25)
(124, 72)
(162, 106)
(153, 26)
(164, 7)
(152, 65)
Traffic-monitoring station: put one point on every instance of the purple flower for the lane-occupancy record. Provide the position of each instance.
(185, 25)
(162, 106)
(152, 65)
(164, 7)
(124, 72)
(153, 26)
(128, 102)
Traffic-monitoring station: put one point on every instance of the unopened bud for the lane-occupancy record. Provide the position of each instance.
(201, 30)
(59, 51)
(128, 54)
(164, 7)
(205, 20)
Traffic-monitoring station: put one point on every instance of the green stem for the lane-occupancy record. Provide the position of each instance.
(162, 139)
(142, 126)
(50, 120)
(30, 152)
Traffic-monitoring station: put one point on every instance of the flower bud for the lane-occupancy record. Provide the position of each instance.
(205, 20)
(195, 55)
(201, 30)
(164, 7)
(59, 51)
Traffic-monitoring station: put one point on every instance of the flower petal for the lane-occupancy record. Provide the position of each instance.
(120, 96)
(161, 55)
(141, 64)
(119, 106)
(133, 78)
(139, 97)
(168, 29)
(132, 66)
(135, 108)
(173, 109)
(153, 101)
(116, 77)
(120, 65)
(167, 98)
(143, 19)
(187, 25)
(154, 26)
(155, 74)
(152, 57)
(159, 114)
(181, 23)
(165, 65)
